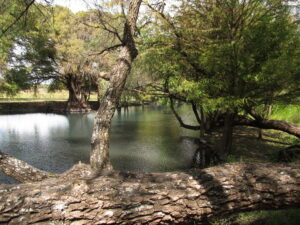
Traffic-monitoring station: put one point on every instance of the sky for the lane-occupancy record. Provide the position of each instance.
(75, 5)
(83, 5)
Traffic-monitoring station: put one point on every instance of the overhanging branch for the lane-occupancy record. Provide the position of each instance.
(182, 124)
(18, 18)
(21, 170)
(111, 48)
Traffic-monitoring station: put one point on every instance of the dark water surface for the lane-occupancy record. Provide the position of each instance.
(145, 139)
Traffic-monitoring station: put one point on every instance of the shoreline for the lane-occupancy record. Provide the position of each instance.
(47, 106)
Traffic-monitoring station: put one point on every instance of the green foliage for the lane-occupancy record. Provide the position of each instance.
(56, 46)
(14, 26)
(18, 76)
(28, 53)
(14, 81)
(10, 89)
(227, 54)
(55, 85)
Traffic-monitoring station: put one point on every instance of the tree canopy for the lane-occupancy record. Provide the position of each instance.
(228, 59)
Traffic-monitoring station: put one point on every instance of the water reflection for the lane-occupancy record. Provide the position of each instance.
(142, 139)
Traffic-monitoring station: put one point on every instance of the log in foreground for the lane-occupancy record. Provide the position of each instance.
(156, 198)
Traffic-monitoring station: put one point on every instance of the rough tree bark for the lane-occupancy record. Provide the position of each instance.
(20, 170)
(156, 198)
(100, 139)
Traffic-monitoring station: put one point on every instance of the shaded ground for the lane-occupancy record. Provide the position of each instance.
(278, 217)
(45, 106)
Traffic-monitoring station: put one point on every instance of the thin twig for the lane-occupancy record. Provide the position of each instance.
(111, 48)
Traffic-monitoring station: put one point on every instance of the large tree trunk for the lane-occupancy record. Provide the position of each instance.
(156, 198)
(77, 102)
(99, 158)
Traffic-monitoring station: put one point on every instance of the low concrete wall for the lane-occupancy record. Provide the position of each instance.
(44, 107)
(30, 107)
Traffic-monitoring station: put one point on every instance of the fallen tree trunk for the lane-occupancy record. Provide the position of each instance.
(269, 124)
(156, 198)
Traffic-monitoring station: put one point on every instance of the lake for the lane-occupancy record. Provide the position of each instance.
(143, 139)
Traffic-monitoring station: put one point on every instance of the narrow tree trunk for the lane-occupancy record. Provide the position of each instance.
(156, 198)
(179, 119)
(35, 89)
(226, 143)
(99, 158)
(203, 123)
(260, 134)
(267, 114)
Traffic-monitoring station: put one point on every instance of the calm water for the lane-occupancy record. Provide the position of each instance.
(143, 139)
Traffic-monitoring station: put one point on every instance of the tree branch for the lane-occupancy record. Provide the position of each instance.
(20, 170)
(178, 36)
(182, 124)
(111, 48)
(18, 18)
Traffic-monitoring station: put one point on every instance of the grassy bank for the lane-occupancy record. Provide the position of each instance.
(278, 217)
(289, 113)
(41, 95)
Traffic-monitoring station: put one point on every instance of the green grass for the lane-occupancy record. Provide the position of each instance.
(42, 95)
(289, 113)
(278, 217)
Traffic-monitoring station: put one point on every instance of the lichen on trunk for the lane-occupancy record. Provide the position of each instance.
(155, 198)
(99, 157)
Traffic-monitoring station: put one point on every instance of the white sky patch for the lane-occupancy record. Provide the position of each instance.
(84, 5)
(75, 5)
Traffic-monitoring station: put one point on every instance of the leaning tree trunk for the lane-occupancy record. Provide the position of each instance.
(156, 198)
(99, 158)
(76, 101)
(268, 124)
